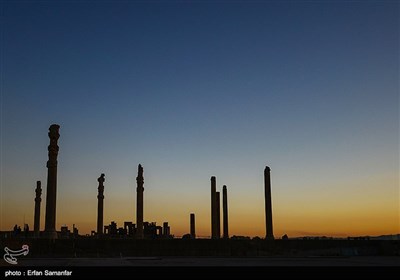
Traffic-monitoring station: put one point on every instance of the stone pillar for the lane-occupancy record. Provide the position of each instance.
(51, 195)
(100, 204)
(268, 204)
(38, 200)
(213, 207)
(225, 211)
(218, 214)
(139, 202)
(192, 226)
(165, 229)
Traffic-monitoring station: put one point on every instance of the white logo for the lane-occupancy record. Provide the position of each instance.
(10, 255)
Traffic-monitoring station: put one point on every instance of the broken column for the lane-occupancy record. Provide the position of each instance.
(38, 200)
(192, 226)
(268, 204)
(100, 204)
(166, 229)
(51, 195)
(218, 214)
(139, 202)
(213, 207)
(225, 211)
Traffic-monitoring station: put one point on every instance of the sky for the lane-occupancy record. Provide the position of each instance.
(194, 89)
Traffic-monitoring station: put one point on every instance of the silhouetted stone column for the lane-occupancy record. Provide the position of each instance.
(218, 230)
(213, 207)
(51, 195)
(268, 204)
(38, 200)
(225, 211)
(139, 202)
(100, 204)
(192, 226)
(165, 229)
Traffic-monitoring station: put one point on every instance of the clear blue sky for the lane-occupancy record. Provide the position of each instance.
(200, 88)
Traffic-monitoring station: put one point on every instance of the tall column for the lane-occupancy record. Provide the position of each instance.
(268, 204)
(192, 226)
(139, 202)
(38, 200)
(218, 213)
(51, 195)
(225, 211)
(100, 204)
(213, 207)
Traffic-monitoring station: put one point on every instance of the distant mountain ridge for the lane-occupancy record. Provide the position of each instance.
(386, 237)
(360, 237)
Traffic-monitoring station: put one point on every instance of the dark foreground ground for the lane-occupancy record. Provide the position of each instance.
(130, 248)
(311, 267)
(214, 261)
(100, 257)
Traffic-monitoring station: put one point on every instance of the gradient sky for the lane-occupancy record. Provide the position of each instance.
(192, 89)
